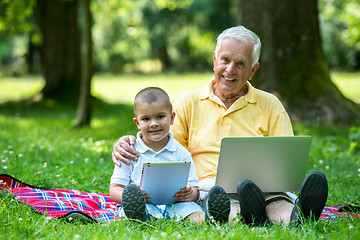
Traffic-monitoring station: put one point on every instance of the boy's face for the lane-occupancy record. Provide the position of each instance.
(154, 121)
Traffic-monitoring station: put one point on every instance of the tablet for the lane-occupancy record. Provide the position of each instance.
(161, 180)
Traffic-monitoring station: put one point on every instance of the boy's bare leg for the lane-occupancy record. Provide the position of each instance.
(279, 210)
(197, 217)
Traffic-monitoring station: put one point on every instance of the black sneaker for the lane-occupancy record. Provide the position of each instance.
(133, 202)
(217, 205)
(312, 198)
(252, 203)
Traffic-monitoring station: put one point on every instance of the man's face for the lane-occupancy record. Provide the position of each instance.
(232, 66)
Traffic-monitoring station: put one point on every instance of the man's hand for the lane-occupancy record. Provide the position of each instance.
(187, 194)
(123, 152)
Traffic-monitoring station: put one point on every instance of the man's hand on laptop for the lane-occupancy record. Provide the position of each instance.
(123, 152)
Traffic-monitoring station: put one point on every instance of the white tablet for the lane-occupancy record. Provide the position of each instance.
(162, 180)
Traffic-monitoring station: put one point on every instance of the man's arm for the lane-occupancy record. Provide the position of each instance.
(123, 151)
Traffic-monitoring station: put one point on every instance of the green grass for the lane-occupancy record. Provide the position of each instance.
(39, 147)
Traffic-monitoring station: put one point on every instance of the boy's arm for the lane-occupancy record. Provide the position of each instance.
(116, 191)
(187, 194)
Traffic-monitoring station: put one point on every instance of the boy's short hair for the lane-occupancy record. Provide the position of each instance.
(150, 95)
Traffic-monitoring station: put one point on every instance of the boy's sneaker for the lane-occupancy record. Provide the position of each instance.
(133, 202)
(217, 205)
(312, 198)
(252, 203)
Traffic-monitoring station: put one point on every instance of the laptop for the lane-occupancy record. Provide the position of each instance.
(161, 180)
(275, 164)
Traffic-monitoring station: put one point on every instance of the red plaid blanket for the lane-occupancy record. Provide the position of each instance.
(62, 203)
(98, 207)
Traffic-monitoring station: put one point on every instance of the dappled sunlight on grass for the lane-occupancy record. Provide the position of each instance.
(123, 88)
(349, 84)
(13, 89)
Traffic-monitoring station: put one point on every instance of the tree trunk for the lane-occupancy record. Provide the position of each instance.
(60, 57)
(84, 107)
(292, 64)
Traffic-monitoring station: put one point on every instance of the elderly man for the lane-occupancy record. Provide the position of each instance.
(229, 106)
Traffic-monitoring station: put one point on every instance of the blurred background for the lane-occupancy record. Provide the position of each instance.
(62, 45)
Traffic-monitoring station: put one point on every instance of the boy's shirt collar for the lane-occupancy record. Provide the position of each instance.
(141, 147)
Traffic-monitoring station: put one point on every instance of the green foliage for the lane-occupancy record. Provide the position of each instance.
(16, 16)
(340, 26)
(181, 34)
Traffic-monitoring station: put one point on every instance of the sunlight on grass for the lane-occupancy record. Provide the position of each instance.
(122, 88)
(349, 84)
(12, 89)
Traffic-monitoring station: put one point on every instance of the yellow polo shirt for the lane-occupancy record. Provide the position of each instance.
(202, 120)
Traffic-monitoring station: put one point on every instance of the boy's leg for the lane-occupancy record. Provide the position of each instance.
(133, 202)
(197, 217)
(185, 210)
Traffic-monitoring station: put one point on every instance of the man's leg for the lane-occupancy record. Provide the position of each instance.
(252, 203)
(312, 198)
(279, 210)
(217, 205)
(234, 216)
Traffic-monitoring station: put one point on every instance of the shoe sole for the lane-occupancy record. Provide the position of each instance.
(133, 202)
(218, 204)
(313, 196)
(252, 203)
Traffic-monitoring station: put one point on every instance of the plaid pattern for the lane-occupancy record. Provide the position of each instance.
(59, 202)
(62, 203)
(98, 207)
(340, 211)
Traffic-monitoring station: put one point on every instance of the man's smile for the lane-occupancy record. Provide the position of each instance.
(229, 79)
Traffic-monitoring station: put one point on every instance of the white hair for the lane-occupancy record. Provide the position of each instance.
(243, 34)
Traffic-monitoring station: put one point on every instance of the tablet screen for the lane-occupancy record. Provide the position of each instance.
(162, 180)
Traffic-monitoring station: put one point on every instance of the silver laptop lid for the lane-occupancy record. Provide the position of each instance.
(275, 164)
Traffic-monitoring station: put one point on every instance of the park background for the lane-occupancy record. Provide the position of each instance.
(70, 69)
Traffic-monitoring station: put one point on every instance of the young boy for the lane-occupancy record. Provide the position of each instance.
(154, 143)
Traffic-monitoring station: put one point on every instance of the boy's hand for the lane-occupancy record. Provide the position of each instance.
(147, 196)
(185, 195)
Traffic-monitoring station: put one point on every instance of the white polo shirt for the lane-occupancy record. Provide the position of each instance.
(172, 152)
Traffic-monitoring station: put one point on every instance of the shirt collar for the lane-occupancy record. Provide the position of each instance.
(141, 147)
(207, 92)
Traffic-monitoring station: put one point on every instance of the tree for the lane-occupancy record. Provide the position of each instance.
(292, 62)
(60, 56)
(84, 107)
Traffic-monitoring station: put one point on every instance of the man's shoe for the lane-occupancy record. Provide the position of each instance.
(252, 203)
(133, 202)
(217, 205)
(312, 198)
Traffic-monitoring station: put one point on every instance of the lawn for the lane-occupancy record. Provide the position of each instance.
(38, 146)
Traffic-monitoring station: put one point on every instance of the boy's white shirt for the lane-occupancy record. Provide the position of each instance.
(173, 151)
